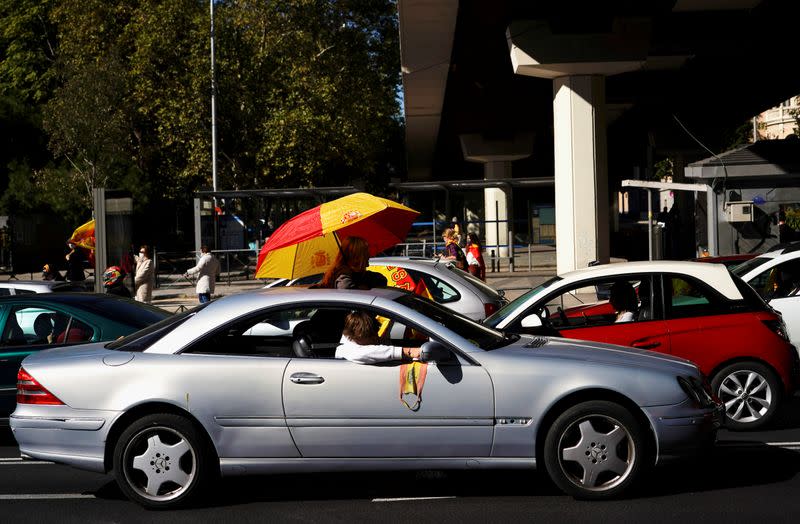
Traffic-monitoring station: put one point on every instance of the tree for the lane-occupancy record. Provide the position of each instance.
(307, 95)
(87, 122)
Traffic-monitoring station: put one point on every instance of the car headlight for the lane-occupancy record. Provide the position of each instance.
(697, 391)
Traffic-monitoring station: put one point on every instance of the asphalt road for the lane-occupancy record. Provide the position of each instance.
(748, 477)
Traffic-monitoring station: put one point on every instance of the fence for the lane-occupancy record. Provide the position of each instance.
(235, 264)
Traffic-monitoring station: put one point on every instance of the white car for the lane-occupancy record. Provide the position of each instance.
(27, 287)
(449, 286)
(775, 275)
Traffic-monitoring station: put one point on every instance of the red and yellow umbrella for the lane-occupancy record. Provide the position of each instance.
(308, 243)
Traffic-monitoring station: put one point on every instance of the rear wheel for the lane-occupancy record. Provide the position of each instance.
(595, 450)
(161, 461)
(751, 393)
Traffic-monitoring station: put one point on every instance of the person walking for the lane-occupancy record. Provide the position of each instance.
(75, 261)
(145, 278)
(207, 270)
(452, 251)
(475, 263)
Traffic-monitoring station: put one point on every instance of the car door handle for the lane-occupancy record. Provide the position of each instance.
(646, 345)
(306, 378)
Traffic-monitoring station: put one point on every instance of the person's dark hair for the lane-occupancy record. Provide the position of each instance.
(361, 328)
(623, 297)
(204, 248)
(147, 252)
(474, 238)
(353, 256)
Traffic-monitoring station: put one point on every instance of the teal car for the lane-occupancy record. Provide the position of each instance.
(34, 322)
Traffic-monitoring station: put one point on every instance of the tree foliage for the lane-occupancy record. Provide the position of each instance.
(121, 89)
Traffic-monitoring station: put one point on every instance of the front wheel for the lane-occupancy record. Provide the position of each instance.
(751, 393)
(595, 450)
(162, 462)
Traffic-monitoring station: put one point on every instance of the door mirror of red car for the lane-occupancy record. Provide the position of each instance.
(531, 321)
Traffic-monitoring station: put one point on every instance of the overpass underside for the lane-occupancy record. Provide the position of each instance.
(588, 95)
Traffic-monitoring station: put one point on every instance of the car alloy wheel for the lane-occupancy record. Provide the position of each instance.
(750, 393)
(160, 462)
(595, 450)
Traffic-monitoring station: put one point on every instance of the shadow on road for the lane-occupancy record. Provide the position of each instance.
(788, 417)
(728, 466)
(6, 437)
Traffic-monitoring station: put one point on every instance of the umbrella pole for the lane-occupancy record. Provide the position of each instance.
(338, 244)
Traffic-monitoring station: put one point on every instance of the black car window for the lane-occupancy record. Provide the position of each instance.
(19, 291)
(780, 281)
(4, 292)
(480, 335)
(272, 333)
(596, 302)
(440, 291)
(138, 315)
(687, 297)
(35, 325)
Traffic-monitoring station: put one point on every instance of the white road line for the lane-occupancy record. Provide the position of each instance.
(21, 462)
(405, 499)
(46, 496)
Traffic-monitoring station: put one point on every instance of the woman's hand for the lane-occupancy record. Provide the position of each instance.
(411, 353)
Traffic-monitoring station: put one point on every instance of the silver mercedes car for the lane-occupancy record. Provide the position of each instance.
(249, 384)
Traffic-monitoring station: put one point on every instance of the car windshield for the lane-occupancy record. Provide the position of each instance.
(476, 282)
(505, 311)
(747, 266)
(144, 338)
(478, 334)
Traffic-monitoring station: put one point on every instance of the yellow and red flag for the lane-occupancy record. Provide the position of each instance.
(84, 236)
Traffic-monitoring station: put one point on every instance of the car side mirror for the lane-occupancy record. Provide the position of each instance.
(433, 351)
(531, 321)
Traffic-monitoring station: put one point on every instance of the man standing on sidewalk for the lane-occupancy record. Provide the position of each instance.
(207, 269)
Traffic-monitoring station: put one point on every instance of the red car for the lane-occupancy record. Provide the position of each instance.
(727, 260)
(696, 311)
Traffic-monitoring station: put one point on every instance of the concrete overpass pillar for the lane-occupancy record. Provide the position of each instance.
(577, 62)
(581, 178)
(496, 157)
(496, 201)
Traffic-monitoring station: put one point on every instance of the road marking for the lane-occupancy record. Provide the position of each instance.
(752, 444)
(46, 496)
(405, 499)
(19, 462)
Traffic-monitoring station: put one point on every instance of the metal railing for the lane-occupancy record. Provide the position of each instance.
(235, 264)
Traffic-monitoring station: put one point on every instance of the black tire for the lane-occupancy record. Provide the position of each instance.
(751, 393)
(595, 450)
(169, 451)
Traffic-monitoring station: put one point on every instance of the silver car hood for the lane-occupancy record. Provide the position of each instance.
(597, 352)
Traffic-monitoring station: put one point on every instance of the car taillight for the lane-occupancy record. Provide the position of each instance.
(29, 391)
(778, 327)
(489, 307)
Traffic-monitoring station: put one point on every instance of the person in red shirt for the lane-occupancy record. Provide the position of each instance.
(475, 263)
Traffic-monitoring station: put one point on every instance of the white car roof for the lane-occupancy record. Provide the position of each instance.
(715, 275)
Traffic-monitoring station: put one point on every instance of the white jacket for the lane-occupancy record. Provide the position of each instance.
(207, 269)
(367, 354)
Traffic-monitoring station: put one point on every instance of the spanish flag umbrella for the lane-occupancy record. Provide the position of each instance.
(308, 243)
